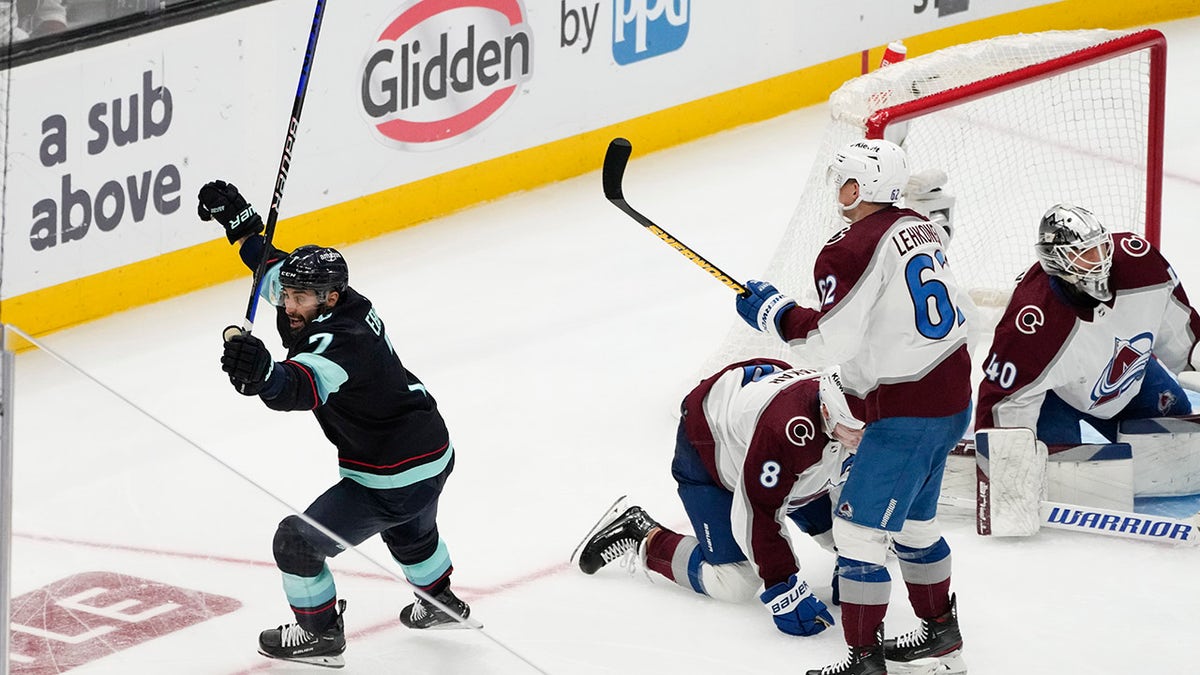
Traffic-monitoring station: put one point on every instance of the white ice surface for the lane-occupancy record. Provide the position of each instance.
(558, 339)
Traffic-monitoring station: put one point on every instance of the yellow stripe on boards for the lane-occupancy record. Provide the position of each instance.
(178, 272)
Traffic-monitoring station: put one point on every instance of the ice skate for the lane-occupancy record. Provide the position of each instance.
(617, 535)
(865, 660)
(292, 643)
(425, 615)
(938, 638)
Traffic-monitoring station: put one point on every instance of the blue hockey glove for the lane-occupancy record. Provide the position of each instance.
(795, 609)
(247, 362)
(221, 201)
(763, 306)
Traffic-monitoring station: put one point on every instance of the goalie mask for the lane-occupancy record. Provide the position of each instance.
(1073, 245)
(879, 167)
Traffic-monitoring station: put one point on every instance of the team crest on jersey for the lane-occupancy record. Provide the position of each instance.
(801, 430)
(1029, 318)
(1126, 367)
(1135, 246)
(838, 236)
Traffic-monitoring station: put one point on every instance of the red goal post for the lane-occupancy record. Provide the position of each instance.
(1017, 123)
(1152, 42)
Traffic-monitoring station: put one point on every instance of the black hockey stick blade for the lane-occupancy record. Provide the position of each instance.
(616, 158)
(615, 161)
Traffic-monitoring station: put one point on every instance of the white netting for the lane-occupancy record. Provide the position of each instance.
(1079, 136)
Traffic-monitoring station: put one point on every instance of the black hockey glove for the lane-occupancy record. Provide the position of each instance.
(248, 363)
(222, 201)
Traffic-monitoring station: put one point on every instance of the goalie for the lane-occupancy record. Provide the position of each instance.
(1094, 332)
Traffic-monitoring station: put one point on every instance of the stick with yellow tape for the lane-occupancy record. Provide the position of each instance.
(615, 160)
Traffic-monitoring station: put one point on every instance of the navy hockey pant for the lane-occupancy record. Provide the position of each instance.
(709, 505)
(1160, 396)
(406, 519)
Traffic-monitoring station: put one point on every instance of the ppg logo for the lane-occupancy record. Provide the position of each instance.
(646, 28)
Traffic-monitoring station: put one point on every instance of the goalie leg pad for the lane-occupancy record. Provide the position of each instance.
(1010, 482)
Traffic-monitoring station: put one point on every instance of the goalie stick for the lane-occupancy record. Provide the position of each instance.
(1011, 495)
(285, 163)
(615, 160)
(1107, 522)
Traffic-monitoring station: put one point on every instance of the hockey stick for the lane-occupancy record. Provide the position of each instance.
(1107, 522)
(615, 160)
(285, 163)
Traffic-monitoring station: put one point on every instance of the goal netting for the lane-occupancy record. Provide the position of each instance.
(1018, 123)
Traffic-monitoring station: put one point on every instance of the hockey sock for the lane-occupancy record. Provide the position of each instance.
(313, 599)
(865, 589)
(926, 573)
(675, 557)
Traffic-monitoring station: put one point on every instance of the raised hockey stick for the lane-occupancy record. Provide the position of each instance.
(285, 163)
(615, 161)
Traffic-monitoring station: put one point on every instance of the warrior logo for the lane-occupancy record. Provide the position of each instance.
(1126, 368)
(801, 430)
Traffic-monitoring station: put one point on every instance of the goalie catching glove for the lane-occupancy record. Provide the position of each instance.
(763, 306)
(795, 609)
(222, 202)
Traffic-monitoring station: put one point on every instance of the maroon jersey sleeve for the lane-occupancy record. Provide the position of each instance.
(787, 440)
(1033, 329)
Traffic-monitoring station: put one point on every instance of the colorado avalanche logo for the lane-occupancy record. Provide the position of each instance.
(1135, 246)
(801, 430)
(838, 236)
(1029, 318)
(1166, 401)
(1126, 367)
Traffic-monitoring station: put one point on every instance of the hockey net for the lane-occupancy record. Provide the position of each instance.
(1018, 123)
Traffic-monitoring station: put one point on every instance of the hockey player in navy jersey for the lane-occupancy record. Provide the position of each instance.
(889, 316)
(394, 452)
(759, 443)
(1094, 332)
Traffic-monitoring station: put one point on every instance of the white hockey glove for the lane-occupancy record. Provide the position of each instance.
(926, 195)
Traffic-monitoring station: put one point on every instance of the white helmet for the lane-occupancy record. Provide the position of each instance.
(880, 167)
(1065, 234)
(834, 409)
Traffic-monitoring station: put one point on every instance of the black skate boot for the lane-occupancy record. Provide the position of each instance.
(422, 614)
(865, 660)
(292, 643)
(614, 536)
(938, 638)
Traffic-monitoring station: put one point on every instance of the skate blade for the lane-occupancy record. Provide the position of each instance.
(455, 625)
(332, 661)
(617, 508)
(946, 664)
(929, 666)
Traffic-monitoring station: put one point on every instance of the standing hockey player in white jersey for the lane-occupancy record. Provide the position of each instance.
(759, 443)
(888, 315)
(1093, 332)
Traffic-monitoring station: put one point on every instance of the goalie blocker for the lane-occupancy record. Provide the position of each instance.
(1015, 473)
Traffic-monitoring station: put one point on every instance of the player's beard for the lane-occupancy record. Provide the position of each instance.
(299, 323)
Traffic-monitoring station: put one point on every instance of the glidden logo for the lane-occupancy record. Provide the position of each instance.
(442, 68)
